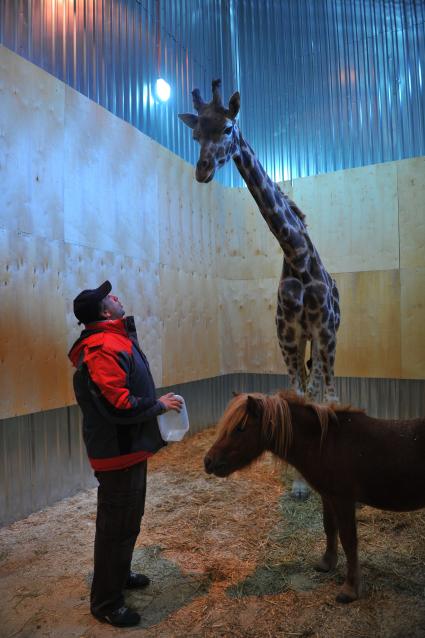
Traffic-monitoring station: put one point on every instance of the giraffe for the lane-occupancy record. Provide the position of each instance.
(307, 299)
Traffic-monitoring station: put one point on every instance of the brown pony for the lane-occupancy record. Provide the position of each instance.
(347, 456)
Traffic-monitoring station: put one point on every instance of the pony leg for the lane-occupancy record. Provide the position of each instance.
(346, 520)
(330, 524)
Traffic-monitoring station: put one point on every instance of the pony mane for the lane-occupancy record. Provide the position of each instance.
(292, 397)
(276, 422)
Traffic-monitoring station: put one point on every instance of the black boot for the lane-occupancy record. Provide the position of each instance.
(137, 581)
(121, 617)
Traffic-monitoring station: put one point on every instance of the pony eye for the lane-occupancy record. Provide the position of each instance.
(228, 130)
(240, 427)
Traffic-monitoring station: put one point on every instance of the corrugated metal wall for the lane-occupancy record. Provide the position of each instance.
(335, 83)
(114, 50)
(43, 459)
(325, 84)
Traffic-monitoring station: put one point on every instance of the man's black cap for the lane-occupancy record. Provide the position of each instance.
(86, 304)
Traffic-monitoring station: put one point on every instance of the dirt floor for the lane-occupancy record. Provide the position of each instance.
(227, 557)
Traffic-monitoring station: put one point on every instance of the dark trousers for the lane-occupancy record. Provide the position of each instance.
(120, 506)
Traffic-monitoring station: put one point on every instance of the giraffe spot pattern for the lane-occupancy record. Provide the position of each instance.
(310, 296)
(246, 159)
(257, 179)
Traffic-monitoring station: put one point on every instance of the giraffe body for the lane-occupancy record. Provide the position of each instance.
(307, 299)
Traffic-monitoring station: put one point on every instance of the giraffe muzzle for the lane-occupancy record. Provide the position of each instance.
(204, 172)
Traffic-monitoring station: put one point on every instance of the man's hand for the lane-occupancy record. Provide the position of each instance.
(171, 402)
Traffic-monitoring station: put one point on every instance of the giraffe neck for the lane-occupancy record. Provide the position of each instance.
(283, 222)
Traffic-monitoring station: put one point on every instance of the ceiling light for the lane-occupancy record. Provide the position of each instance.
(162, 90)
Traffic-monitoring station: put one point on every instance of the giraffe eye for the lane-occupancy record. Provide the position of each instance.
(228, 130)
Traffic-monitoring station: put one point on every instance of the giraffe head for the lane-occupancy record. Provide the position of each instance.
(215, 129)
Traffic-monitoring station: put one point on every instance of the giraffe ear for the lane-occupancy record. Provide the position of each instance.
(234, 105)
(189, 119)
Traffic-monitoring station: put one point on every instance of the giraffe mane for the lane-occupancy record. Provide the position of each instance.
(293, 206)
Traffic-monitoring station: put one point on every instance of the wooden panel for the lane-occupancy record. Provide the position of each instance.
(262, 247)
(412, 323)
(111, 184)
(369, 337)
(189, 307)
(32, 324)
(247, 327)
(170, 205)
(188, 217)
(247, 248)
(411, 199)
(31, 148)
(352, 216)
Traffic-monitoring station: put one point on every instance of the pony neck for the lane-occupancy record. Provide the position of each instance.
(297, 434)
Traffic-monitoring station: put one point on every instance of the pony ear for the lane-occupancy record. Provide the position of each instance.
(235, 394)
(234, 105)
(189, 119)
(253, 406)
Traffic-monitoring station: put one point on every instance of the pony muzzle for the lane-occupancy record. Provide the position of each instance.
(219, 468)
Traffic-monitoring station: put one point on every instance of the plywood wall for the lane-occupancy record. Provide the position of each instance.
(85, 197)
(369, 226)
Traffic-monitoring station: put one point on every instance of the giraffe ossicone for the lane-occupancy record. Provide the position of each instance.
(308, 299)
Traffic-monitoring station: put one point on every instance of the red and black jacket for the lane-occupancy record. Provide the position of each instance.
(115, 390)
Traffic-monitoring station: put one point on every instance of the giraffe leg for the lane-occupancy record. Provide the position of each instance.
(327, 356)
(301, 371)
(292, 345)
(300, 491)
(315, 379)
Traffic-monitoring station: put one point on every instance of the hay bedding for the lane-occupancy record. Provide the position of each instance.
(228, 558)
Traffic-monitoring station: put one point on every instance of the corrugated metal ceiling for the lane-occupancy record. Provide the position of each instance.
(325, 84)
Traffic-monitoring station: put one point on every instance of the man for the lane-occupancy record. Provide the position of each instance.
(116, 393)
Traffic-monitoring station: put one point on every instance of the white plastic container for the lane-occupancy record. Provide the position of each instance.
(174, 425)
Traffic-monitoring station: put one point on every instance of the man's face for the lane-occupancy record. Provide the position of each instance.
(112, 307)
